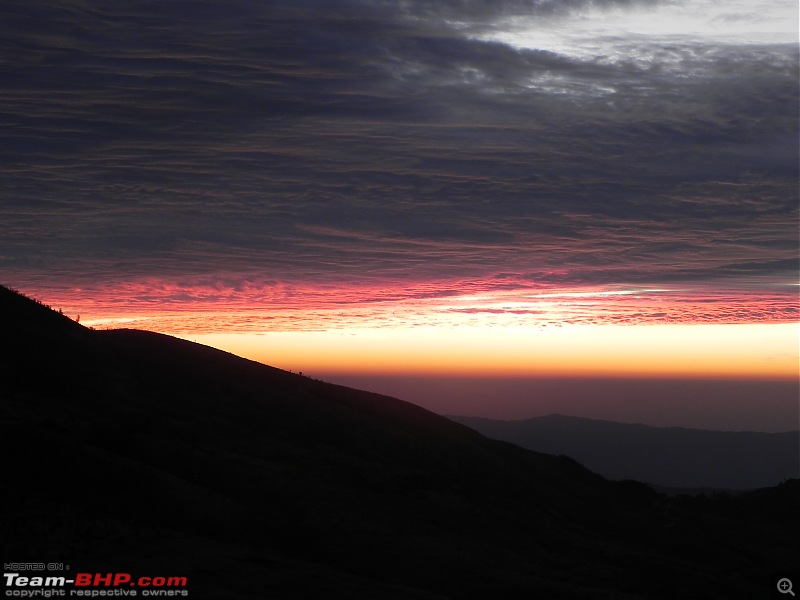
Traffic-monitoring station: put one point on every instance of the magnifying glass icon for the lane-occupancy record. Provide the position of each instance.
(785, 586)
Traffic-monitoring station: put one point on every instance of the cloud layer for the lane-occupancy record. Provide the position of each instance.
(336, 149)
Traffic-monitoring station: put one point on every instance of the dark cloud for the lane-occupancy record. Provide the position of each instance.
(345, 141)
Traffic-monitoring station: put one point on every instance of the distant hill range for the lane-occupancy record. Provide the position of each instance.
(130, 451)
(664, 456)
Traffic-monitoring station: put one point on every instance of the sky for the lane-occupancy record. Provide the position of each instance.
(459, 190)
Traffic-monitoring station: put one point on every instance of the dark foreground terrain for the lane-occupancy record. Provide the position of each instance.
(133, 451)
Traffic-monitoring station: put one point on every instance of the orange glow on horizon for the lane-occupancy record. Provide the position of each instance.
(731, 351)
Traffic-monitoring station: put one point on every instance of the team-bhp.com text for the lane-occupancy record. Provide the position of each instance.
(23, 586)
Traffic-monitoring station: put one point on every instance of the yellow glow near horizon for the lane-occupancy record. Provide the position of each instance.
(752, 350)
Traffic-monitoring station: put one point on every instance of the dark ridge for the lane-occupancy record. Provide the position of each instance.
(21, 314)
(135, 451)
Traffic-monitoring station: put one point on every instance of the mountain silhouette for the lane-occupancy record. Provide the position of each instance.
(665, 456)
(134, 451)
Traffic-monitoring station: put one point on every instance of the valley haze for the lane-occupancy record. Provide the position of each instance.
(669, 457)
(713, 404)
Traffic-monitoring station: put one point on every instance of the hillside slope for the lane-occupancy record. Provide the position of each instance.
(134, 450)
